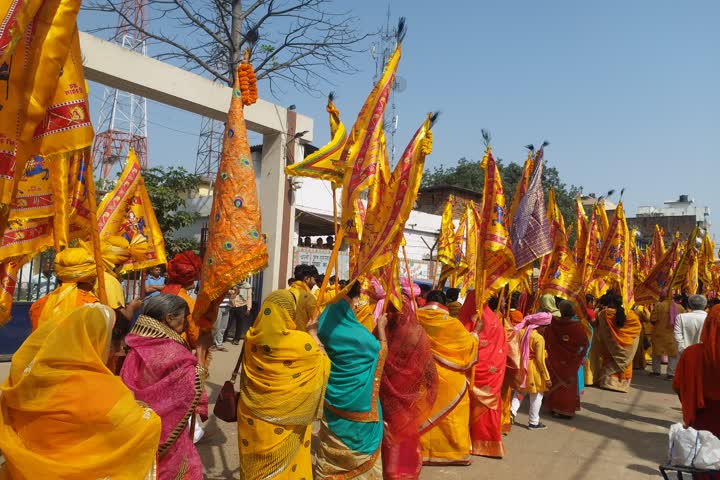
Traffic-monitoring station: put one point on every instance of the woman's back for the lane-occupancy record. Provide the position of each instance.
(64, 412)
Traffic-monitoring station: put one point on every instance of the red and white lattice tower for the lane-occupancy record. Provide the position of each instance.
(123, 116)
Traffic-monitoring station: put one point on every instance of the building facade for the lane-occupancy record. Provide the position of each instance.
(681, 215)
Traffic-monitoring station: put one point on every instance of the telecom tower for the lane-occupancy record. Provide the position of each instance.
(209, 148)
(381, 51)
(123, 116)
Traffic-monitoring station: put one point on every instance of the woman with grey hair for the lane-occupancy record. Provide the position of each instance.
(688, 326)
(162, 372)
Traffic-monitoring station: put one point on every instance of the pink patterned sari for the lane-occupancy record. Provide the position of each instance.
(163, 373)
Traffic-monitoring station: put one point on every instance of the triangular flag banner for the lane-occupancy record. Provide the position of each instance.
(325, 163)
(127, 212)
(235, 246)
(496, 258)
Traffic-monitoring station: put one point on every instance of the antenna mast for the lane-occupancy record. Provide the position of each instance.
(123, 116)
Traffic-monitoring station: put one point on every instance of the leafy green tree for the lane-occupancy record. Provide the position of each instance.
(467, 174)
(168, 187)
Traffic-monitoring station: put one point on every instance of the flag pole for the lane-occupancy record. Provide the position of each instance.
(335, 228)
(407, 271)
(94, 234)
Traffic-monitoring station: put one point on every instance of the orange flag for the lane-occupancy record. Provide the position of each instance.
(235, 246)
(657, 283)
(657, 245)
(522, 185)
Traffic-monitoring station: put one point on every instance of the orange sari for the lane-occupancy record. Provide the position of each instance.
(616, 349)
(59, 303)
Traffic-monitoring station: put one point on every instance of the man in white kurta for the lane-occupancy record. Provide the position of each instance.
(688, 326)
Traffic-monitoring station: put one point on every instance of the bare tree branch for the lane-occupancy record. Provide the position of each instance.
(300, 41)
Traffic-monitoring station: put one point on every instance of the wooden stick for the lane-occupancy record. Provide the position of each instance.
(407, 271)
(335, 227)
(94, 234)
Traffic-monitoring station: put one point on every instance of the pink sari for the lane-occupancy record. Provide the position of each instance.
(163, 373)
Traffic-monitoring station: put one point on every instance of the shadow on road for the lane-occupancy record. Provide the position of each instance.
(213, 447)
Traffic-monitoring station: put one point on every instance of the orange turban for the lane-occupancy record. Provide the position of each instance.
(184, 268)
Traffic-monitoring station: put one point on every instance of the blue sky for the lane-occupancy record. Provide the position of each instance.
(625, 91)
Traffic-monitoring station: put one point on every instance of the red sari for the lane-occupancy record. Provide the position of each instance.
(566, 343)
(486, 402)
(697, 378)
(407, 393)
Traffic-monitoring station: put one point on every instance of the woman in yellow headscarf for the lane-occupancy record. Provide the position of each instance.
(75, 268)
(282, 387)
(64, 415)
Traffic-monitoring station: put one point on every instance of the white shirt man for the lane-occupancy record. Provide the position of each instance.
(688, 326)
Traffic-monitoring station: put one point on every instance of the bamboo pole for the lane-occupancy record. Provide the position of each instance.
(94, 234)
(335, 227)
(407, 271)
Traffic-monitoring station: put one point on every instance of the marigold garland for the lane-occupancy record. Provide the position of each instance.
(427, 142)
(248, 84)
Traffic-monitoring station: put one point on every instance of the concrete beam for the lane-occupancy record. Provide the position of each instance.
(117, 67)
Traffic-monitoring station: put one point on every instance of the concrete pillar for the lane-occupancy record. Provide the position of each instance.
(272, 193)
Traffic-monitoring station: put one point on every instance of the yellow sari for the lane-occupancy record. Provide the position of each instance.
(65, 415)
(282, 387)
(366, 316)
(306, 304)
(445, 434)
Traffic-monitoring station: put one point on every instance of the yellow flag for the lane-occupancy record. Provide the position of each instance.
(706, 260)
(446, 240)
(384, 226)
(127, 212)
(359, 151)
(559, 275)
(467, 281)
(614, 264)
(382, 175)
(325, 163)
(685, 275)
(35, 41)
(495, 262)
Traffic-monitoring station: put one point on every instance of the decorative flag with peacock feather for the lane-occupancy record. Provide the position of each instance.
(235, 247)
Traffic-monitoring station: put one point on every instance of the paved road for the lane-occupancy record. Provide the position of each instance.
(616, 436)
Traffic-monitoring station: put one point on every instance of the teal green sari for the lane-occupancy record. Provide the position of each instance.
(352, 403)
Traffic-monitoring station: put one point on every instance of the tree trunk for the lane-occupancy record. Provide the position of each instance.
(236, 40)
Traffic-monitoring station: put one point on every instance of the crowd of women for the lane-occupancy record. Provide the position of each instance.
(332, 398)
